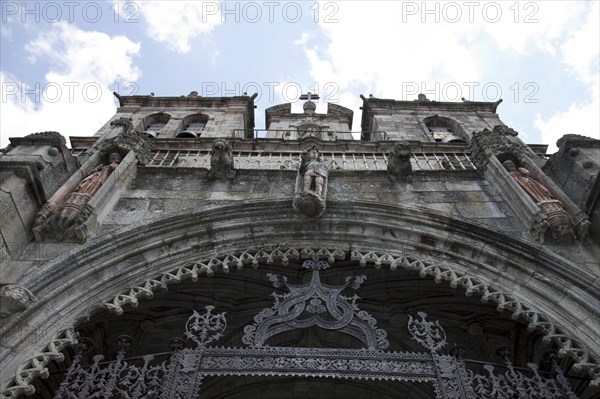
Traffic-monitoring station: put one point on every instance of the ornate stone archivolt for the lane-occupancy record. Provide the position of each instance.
(439, 271)
(35, 366)
(182, 373)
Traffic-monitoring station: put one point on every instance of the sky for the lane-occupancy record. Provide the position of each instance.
(60, 61)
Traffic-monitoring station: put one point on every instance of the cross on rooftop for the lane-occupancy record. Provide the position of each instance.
(308, 96)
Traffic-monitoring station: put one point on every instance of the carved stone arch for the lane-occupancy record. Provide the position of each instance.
(450, 130)
(136, 261)
(153, 124)
(193, 125)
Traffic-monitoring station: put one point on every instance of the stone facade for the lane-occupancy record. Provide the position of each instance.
(422, 199)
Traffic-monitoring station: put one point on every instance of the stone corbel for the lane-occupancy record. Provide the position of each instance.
(13, 299)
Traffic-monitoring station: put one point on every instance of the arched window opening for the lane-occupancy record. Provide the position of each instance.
(445, 130)
(153, 124)
(193, 126)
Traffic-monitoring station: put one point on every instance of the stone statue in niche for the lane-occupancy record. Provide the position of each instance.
(559, 221)
(62, 223)
(221, 160)
(399, 166)
(311, 184)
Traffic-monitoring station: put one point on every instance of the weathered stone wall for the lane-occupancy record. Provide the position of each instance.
(460, 194)
(409, 125)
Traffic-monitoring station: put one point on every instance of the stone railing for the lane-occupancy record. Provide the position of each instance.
(359, 161)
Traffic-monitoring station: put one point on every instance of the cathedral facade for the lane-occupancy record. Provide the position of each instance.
(182, 253)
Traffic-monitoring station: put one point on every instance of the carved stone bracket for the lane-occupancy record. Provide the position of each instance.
(13, 299)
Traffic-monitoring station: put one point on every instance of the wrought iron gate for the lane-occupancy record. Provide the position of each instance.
(303, 306)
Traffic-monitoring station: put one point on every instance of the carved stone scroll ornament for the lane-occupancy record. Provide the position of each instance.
(13, 299)
(65, 222)
(311, 185)
(399, 165)
(557, 220)
(221, 160)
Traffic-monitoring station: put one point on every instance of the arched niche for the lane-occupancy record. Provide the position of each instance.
(445, 130)
(154, 123)
(193, 126)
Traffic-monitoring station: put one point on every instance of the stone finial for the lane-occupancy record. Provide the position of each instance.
(13, 299)
(399, 165)
(221, 160)
(309, 106)
(311, 184)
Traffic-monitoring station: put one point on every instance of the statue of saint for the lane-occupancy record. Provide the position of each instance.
(92, 183)
(311, 185)
(73, 212)
(314, 172)
(559, 222)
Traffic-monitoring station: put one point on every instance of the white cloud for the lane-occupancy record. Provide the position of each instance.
(581, 54)
(389, 47)
(542, 23)
(178, 22)
(75, 97)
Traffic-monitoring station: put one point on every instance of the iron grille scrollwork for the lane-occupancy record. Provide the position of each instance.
(179, 376)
